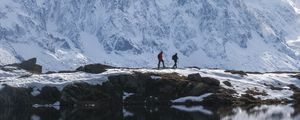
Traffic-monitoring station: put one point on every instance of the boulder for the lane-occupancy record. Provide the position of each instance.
(194, 77)
(135, 83)
(296, 76)
(222, 97)
(199, 89)
(28, 63)
(94, 68)
(294, 87)
(210, 81)
(84, 94)
(207, 80)
(242, 73)
(296, 95)
(31, 66)
(163, 89)
(275, 88)
(227, 83)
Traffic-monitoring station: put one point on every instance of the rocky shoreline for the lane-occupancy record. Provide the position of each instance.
(139, 88)
(144, 91)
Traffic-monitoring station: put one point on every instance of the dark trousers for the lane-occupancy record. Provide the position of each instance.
(175, 64)
(162, 63)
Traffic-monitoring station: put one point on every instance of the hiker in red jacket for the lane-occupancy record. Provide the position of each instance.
(160, 59)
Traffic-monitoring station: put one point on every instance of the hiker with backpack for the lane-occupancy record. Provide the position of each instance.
(175, 59)
(160, 59)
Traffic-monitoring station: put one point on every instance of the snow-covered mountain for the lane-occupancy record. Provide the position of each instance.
(232, 34)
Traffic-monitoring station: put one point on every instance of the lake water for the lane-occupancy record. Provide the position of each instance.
(263, 112)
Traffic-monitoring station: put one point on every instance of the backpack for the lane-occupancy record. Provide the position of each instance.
(174, 57)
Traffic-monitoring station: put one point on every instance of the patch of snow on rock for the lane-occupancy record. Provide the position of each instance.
(155, 77)
(126, 95)
(191, 98)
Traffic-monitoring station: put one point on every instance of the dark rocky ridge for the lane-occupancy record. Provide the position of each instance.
(146, 91)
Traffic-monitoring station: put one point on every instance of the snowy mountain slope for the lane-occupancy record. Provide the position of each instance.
(231, 34)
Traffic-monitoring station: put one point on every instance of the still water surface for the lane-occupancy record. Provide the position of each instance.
(263, 112)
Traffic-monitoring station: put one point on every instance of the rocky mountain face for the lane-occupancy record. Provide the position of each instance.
(230, 34)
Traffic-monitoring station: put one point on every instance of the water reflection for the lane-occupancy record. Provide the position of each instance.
(263, 112)
(167, 113)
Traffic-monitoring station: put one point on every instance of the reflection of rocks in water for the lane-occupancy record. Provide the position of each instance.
(92, 114)
(297, 110)
(53, 114)
(14, 114)
(263, 112)
(165, 113)
(45, 113)
(28, 114)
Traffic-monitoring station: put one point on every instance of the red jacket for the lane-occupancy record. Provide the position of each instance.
(160, 56)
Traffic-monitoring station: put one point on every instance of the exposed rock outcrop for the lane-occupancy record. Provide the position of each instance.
(94, 68)
(207, 80)
(83, 94)
(29, 65)
(210, 81)
(227, 83)
(194, 77)
(138, 89)
(242, 73)
(145, 90)
(222, 97)
(296, 95)
(296, 76)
